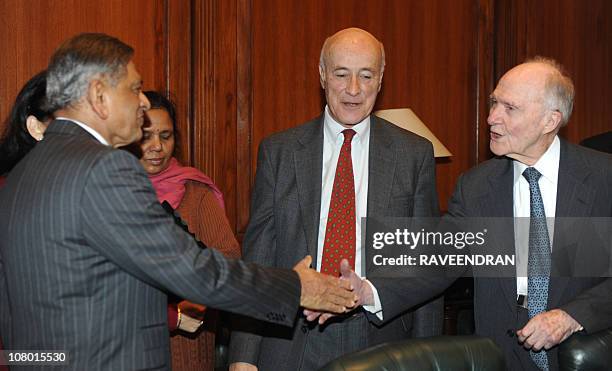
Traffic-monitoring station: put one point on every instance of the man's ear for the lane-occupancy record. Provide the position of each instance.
(98, 99)
(553, 122)
(380, 82)
(322, 76)
(35, 127)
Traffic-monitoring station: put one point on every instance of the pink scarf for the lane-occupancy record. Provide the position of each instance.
(169, 184)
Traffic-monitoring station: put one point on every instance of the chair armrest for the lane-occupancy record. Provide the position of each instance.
(586, 352)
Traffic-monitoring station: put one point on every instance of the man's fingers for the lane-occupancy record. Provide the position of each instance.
(538, 345)
(311, 315)
(334, 308)
(345, 268)
(342, 290)
(324, 317)
(323, 292)
(343, 284)
(304, 263)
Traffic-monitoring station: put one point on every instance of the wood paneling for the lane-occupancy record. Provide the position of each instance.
(578, 34)
(32, 29)
(215, 97)
(179, 71)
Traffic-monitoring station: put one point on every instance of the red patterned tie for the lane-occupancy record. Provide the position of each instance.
(340, 230)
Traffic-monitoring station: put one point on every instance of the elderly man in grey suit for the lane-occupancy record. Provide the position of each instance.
(87, 254)
(314, 183)
(536, 175)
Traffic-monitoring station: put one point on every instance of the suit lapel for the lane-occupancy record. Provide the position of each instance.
(573, 195)
(499, 203)
(381, 168)
(308, 158)
(573, 199)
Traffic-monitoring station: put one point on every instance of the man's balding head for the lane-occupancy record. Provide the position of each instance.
(351, 35)
(351, 69)
(529, 105)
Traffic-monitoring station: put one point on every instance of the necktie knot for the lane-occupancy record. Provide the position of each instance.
(348, 135)
(532, 176)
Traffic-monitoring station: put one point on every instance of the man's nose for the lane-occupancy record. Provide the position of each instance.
(353, 87)
(494, 114)
(144, 101)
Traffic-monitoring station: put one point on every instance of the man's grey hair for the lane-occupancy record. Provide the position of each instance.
(79, 60)
(559, 88)
(324, 51)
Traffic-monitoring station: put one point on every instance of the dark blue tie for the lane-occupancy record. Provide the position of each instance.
(538, 266)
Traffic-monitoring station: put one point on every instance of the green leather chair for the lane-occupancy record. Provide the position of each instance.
(582, 352)
(438, 353)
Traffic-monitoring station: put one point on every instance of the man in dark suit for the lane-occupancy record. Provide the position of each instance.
(86, 251)
(600, 142)
(528, 107)
(293, 211)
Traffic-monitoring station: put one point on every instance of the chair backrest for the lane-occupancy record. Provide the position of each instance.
(428, 319)
(438, 353)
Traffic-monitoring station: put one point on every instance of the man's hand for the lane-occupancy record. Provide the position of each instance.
(323, 292)
(360, 287)
(547, 329)
(242, 366)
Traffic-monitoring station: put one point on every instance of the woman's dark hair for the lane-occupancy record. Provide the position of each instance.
(159, 101)
(16, 141)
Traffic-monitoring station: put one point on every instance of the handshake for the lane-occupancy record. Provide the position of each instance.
(323, 296)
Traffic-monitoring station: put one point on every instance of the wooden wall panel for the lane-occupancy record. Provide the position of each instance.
(179, 71)
(576, 33)
(215, 91)
(32, 29)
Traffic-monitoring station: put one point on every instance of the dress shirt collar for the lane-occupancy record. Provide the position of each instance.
(88, 129)
(333, 129)
(547, 165)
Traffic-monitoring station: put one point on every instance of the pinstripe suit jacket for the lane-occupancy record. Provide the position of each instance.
(284, 224)
(584, 190)
(87, 254)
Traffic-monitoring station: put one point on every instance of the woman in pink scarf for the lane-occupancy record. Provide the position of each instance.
(199, 202)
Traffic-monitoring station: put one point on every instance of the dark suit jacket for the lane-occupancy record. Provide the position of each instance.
(284, 223)
(88, 253)
(601, 142)
(584, 189)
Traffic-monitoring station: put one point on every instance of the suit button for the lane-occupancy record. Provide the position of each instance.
(304, 328)
(510, 332)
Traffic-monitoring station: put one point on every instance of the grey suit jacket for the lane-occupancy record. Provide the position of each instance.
(584, 189)
(284, 222)
(87, 254)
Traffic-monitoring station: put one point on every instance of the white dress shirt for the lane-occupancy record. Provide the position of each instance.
(88, 129)
(332, 144)
(548, 166)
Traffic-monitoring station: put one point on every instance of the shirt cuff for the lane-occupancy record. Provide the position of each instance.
(189, 324)
(172, 316)
(376, 308)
